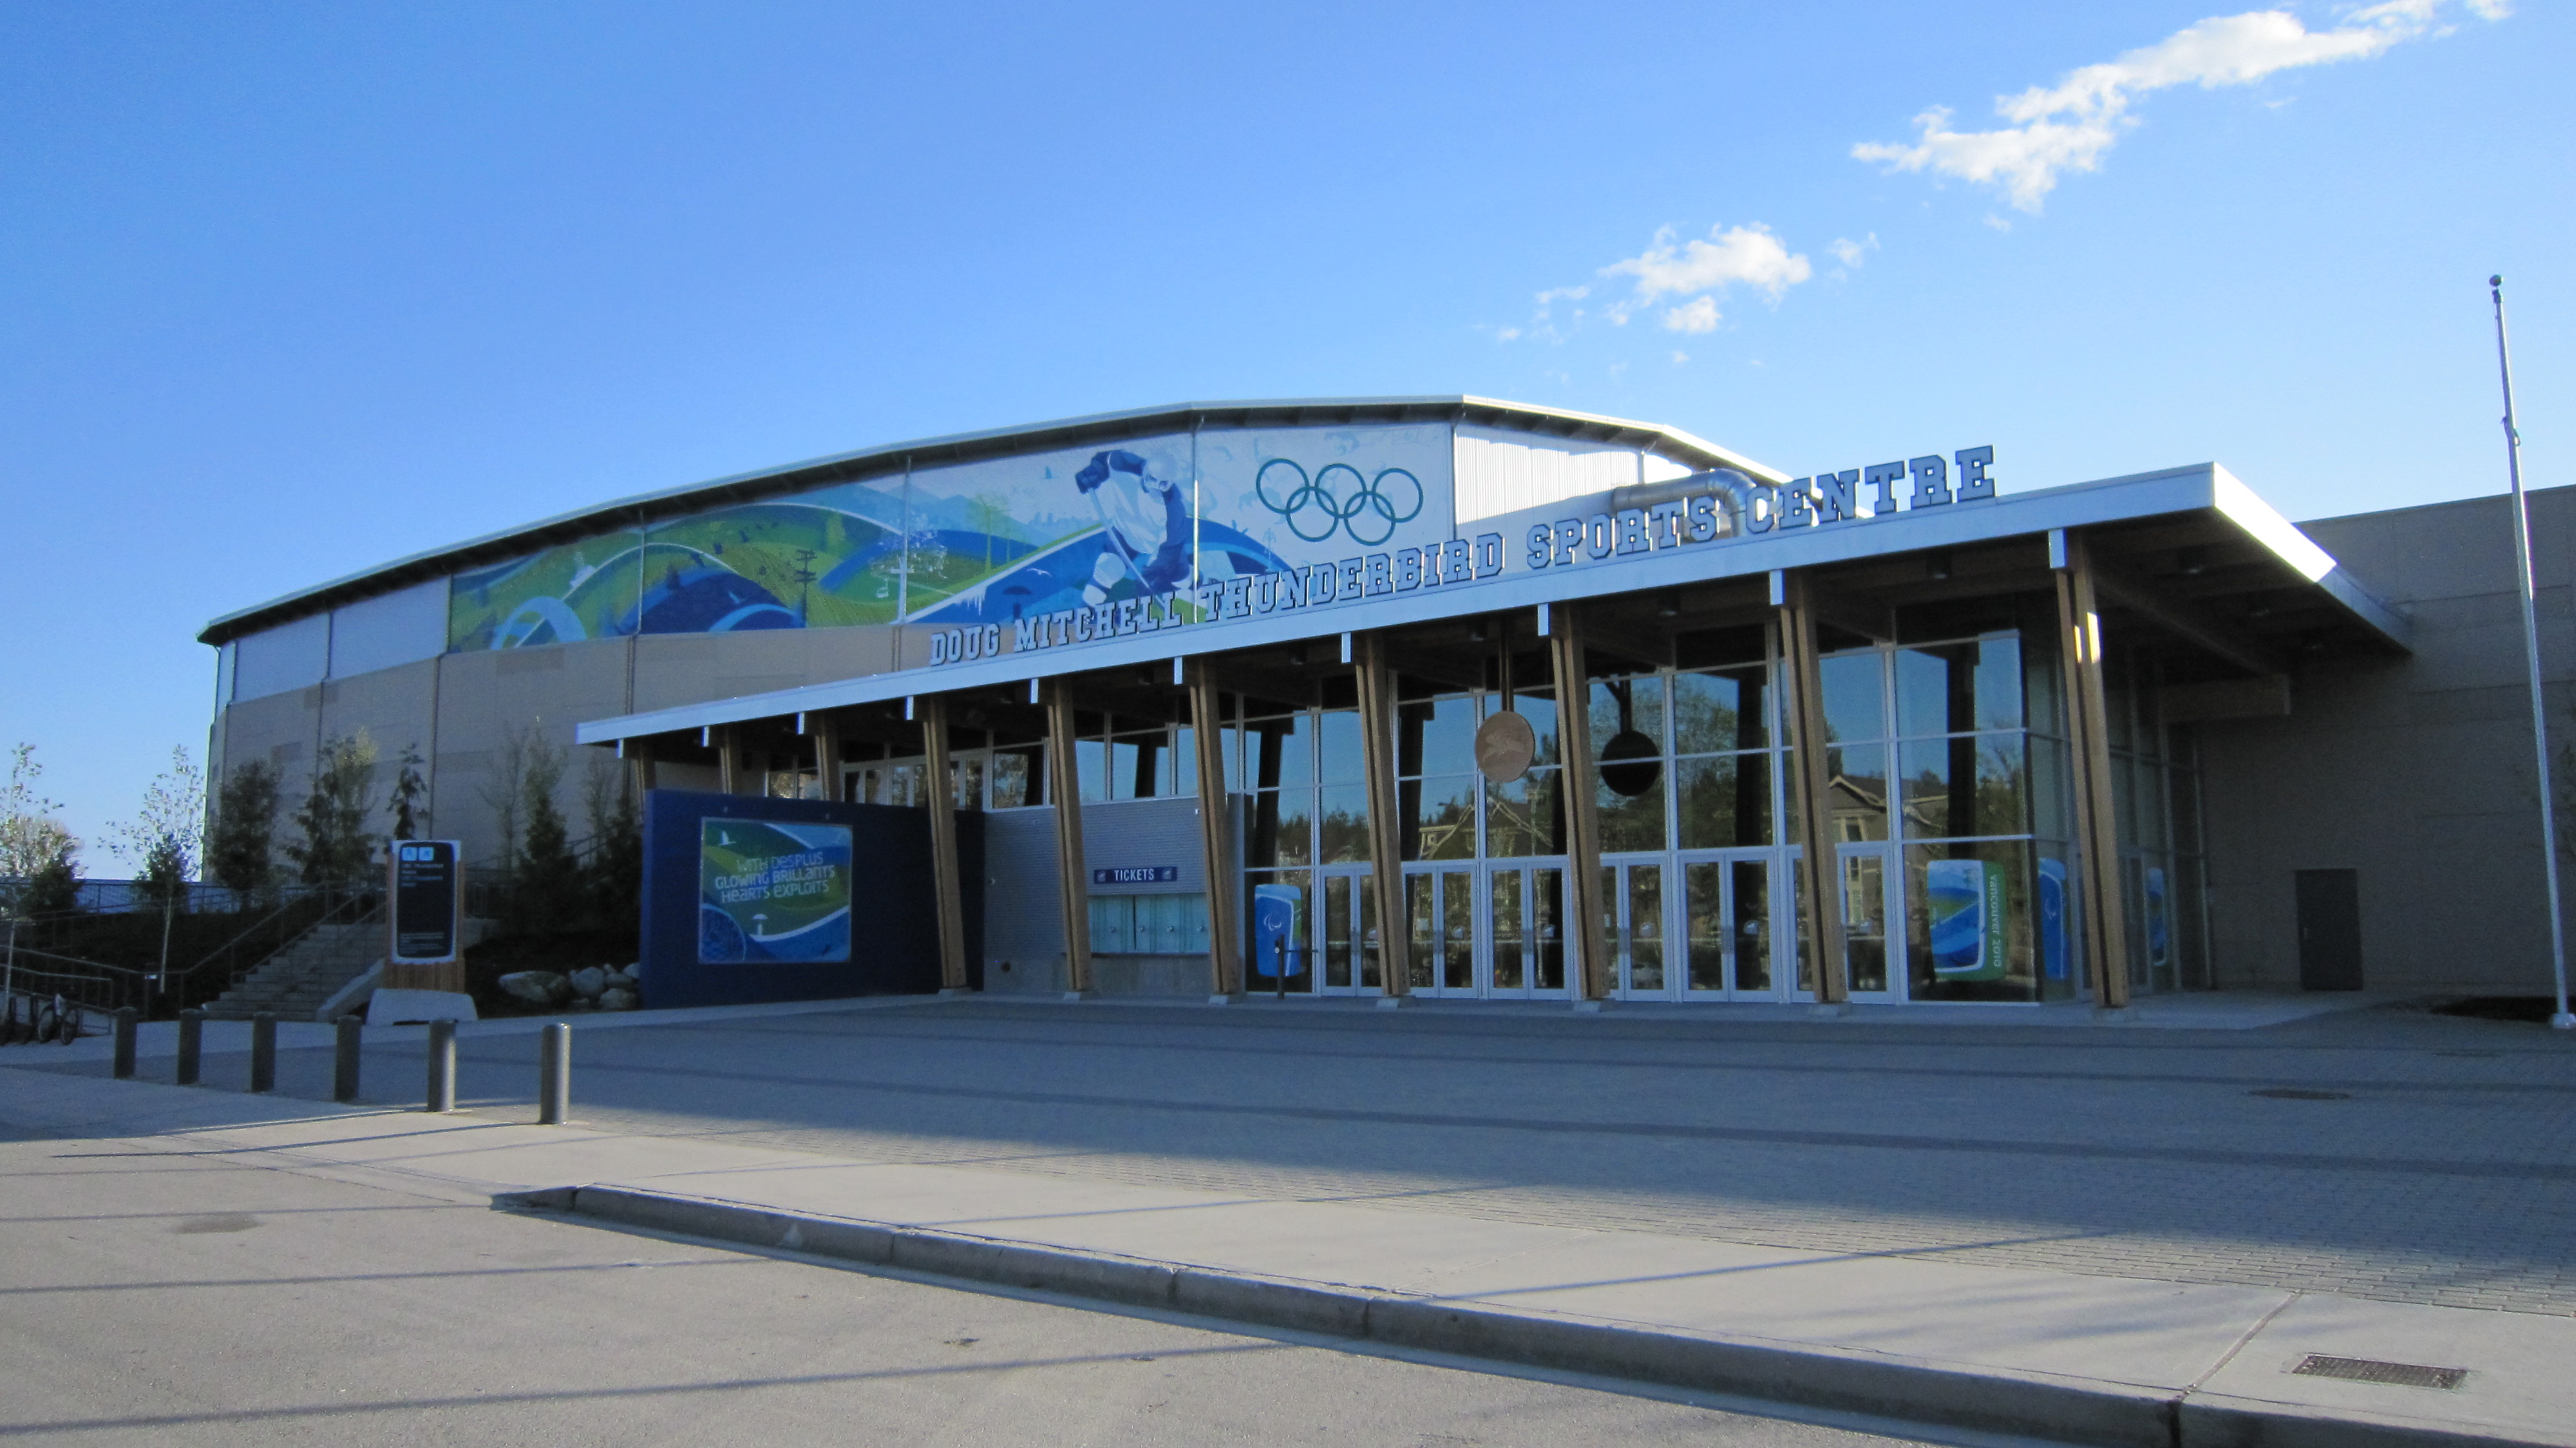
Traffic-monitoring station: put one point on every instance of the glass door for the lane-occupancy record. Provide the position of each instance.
(1728, 940)
(1525, 932)
(1633, 925)
(1870, 931)
(1873, 924)
(1346, 933)
(1440, 907)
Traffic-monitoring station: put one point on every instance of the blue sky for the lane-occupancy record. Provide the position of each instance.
(287, 291)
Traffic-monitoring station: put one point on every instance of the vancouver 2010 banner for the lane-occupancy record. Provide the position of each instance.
(988, 542)
(770, 891)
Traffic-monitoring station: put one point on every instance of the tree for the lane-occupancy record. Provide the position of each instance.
(165, 841)
(506, 791)
(410, 791)
(241, 852)
(52, 888)
(32, 842)
(616, 868)
(548, 876)
(336, 848)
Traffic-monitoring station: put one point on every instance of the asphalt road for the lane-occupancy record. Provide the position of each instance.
(158, 1291)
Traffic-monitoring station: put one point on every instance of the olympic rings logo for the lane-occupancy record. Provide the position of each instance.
(1359, 505)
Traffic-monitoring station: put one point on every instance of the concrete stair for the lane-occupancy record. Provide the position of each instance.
(296, 982)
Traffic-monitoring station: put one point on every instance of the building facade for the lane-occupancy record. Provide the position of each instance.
(1454, 698)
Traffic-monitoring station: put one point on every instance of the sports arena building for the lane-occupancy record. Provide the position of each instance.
(1450, 697)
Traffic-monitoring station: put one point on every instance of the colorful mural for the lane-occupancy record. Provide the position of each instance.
(979, 543)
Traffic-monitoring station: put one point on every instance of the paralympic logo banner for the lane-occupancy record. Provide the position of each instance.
(769, 891)
(1966, 901)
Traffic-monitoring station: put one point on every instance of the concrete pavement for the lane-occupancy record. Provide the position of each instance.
(1950, 1334)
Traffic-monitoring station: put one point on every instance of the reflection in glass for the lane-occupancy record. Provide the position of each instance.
(1704, 923)
(1337, 930)
(1971, 784)
(1547, 924)
(1279, 752)
(1645, 928)
(1524, 817)
(1858, 785)
(1629, 823)
(1511, 938)
(1091, 762)
(1855, 701)
(1422, 912)
(1439, 817)
(1719, 710)
(1341, 738)
(1959, 688)
(1280, 830)
(1012, 776)
(1345, 824)
(1633, 704)
(1539, 709)
(1371, 976)
(1865, 920)
(1436, 736)
(1724, 801)
(1457, 930)
(1750, 899)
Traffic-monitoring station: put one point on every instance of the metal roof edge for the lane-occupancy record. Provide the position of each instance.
(420, 566)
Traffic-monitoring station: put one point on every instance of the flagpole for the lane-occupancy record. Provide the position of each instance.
(2562, 1018)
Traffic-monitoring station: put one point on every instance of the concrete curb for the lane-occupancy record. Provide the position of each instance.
(2077, 1410)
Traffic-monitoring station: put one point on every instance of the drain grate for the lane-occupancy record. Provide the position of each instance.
(2298, 1093)
(2371, 1370)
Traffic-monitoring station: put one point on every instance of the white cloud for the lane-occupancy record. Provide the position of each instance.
(2069, 126)
(1695, 316)
(1505, 334)
(1852, 253)
(1679, 358)
(1566, 294)
(1752, 255)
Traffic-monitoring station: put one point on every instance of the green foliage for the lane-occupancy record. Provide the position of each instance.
(336, 848)
(162, 843)
(410, 793)
(53, 888)
(546, 889)
(31, 839)
(616, 868)
(241, 855)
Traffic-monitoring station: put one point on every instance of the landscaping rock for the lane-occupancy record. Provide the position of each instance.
(614, 999)
(537, 987)
(589, 982)
(621, 977)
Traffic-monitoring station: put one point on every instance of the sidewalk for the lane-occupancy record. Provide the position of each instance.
(2085, 1358)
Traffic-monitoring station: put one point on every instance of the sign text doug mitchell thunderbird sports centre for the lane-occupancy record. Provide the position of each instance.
(1701, 508)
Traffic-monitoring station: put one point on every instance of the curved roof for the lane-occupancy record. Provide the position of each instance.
(1671, 443)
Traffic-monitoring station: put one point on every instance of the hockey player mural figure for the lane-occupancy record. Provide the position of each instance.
(1145, 522)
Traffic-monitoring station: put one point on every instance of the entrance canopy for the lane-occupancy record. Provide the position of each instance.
(2186, 555)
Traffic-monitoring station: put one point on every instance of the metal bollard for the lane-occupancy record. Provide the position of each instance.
(192, 1045)
(554, 1074)
(126, 1018)
(442, 1066)
(344, 1059)
(263, 1052)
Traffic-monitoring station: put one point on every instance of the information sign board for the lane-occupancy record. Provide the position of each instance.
(428, 901)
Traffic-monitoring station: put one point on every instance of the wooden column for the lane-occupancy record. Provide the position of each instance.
(728, 761)
(1225, 889)
(1596, 970)
(2097, 844)
(1073, 878)
(827, 755)
(1819, 902)
(1386, 840)
(939, 792)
